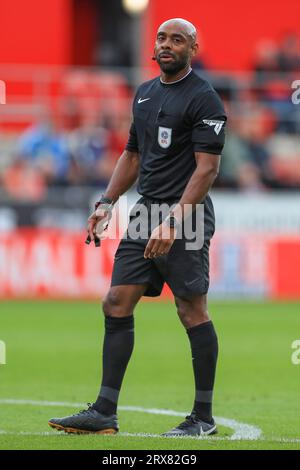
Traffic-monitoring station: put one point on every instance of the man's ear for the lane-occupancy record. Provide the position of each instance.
(195, 49)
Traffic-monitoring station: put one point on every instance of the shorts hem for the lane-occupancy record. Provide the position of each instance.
(151, 291)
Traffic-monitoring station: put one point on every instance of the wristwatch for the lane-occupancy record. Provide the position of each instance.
(105, 201)
(171, 221)
(107, 205)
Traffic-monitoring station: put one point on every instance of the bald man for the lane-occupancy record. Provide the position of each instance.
(174, 147)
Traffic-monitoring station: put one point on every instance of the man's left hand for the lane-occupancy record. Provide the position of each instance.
(160, 242)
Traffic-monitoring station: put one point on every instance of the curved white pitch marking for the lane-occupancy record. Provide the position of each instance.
(241, 430)
(281, 440)
(145, 435)
(11, 401)
(27, 433)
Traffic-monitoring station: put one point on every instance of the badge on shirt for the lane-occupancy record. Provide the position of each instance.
(164, 137)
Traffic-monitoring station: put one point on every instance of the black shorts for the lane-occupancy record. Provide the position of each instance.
(185, 271)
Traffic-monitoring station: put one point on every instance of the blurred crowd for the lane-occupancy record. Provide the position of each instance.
(46, 155)
(263, 147)
(75, 142)
(81, 144)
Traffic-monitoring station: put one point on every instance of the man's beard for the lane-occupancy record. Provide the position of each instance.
(173, 67)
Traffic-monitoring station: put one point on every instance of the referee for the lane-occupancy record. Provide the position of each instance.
(174, 148)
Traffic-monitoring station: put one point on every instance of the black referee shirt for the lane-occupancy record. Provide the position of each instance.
(170, 123)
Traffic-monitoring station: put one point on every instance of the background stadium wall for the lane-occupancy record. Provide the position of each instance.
(229, 44)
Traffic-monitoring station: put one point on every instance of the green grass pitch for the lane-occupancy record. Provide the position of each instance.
(54, 355)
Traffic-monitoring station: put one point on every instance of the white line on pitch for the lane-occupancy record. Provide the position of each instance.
(241, 430)
(147, 435)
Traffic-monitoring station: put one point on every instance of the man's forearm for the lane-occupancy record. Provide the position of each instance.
(195, 191)
(124, 175)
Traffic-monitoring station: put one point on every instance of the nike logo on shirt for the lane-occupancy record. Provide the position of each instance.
(145, 99)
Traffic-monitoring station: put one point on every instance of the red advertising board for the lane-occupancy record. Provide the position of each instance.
(58, 264)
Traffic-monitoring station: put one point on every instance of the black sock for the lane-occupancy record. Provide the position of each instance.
(204, 346)
(117, 349)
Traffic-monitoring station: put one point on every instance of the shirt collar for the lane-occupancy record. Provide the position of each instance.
(176, 81)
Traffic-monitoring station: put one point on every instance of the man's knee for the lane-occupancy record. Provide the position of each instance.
(192, 312)
(121, 300)
(113, 304)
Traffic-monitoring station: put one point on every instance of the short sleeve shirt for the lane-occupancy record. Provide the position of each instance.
(170, 123)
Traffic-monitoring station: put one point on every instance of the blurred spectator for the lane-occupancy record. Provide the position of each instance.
(45, 148)
(118, 134)
(90, 162)
(237, 170)
(289, 53)
(246, 158)
(285, 150)
(278, 57)
(275, 66)
(266, 57)
(23, 182)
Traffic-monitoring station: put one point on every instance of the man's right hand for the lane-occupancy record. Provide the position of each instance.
(98, 222)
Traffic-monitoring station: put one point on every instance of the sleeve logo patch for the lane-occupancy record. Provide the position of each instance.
(164, 137)
(216, 124)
